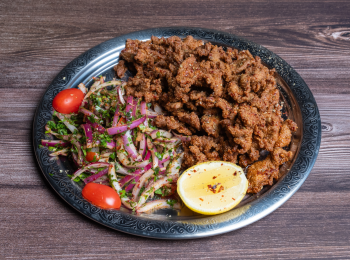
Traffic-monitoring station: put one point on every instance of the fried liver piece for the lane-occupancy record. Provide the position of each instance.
(264, 172)
(226, 99)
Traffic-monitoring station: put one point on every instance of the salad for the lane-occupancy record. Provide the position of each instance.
(114, 145)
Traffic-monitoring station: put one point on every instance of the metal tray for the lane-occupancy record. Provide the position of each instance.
(299, 105)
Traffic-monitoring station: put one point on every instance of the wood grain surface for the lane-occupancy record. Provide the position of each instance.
(38, 38)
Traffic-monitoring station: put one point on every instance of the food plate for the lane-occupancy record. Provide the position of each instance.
(300, 106)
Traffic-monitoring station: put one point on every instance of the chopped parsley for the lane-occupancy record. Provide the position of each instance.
(159, 191)
(141, 190)
(159, 156)
(171, 202)
(122, 194)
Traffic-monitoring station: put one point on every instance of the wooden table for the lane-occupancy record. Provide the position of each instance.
(38, 38)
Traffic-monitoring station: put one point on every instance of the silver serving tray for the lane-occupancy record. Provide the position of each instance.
(299, 105)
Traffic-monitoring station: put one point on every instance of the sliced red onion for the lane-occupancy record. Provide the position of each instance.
(184, 138)
(175, 165)
(129, 107)
(80, 152)
(150, 145)
(116, 117)
(126, 179)
(96, 165)
(154, 158)
(65, 121)
(103, 160)
(88, 113)
(122, 154)
(143, 108)
(166, 163)
(152, 187)
(92, 90)
(105, 154)
(123, 128)
(151, 114)
(120, 169)
(166, 157)
(166, 140)
(110, 145)
(89, 166)
(130, 147)
(138, 164)
(60, 152)
(101, 84)
(143, 143)
(82, 87)
(75, 159)
(95, 125)
(131, 185)
(120, 95)
(102, 179)
(115, 185)
(162, 134)
(96, 176)
(142, 170)
(158, 204)
(54, 143)
(134, 108)
(140, 183)
(88, 134)
(158, 109)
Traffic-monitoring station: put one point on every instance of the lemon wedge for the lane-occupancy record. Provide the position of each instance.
(212, 188)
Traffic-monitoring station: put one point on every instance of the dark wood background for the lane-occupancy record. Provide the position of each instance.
(38, 38)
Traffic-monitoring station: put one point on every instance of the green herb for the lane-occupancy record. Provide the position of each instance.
(122, 194)
(159, 191)
(51, 174)
(91, 119)
(51, 124)
(112, 156)
(170, 180)
(142, 127)
(159, 156)
(158, 134)
(171, 202)
(52, 149)
(141, 190)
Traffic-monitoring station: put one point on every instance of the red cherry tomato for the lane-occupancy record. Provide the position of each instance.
(101, 195)
(92, 157)
(68, 101)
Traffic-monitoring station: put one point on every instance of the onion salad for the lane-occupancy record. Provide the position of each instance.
(112, 141)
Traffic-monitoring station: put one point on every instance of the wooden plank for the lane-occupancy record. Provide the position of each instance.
(38, 39)
(303, 226)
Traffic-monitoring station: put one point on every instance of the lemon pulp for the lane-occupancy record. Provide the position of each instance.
(212, 187)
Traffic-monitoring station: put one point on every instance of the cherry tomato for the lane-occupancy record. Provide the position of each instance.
(92, 157)
(101, 196)
(68, 101)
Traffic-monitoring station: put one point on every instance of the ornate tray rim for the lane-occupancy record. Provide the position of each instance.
(164, 229)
